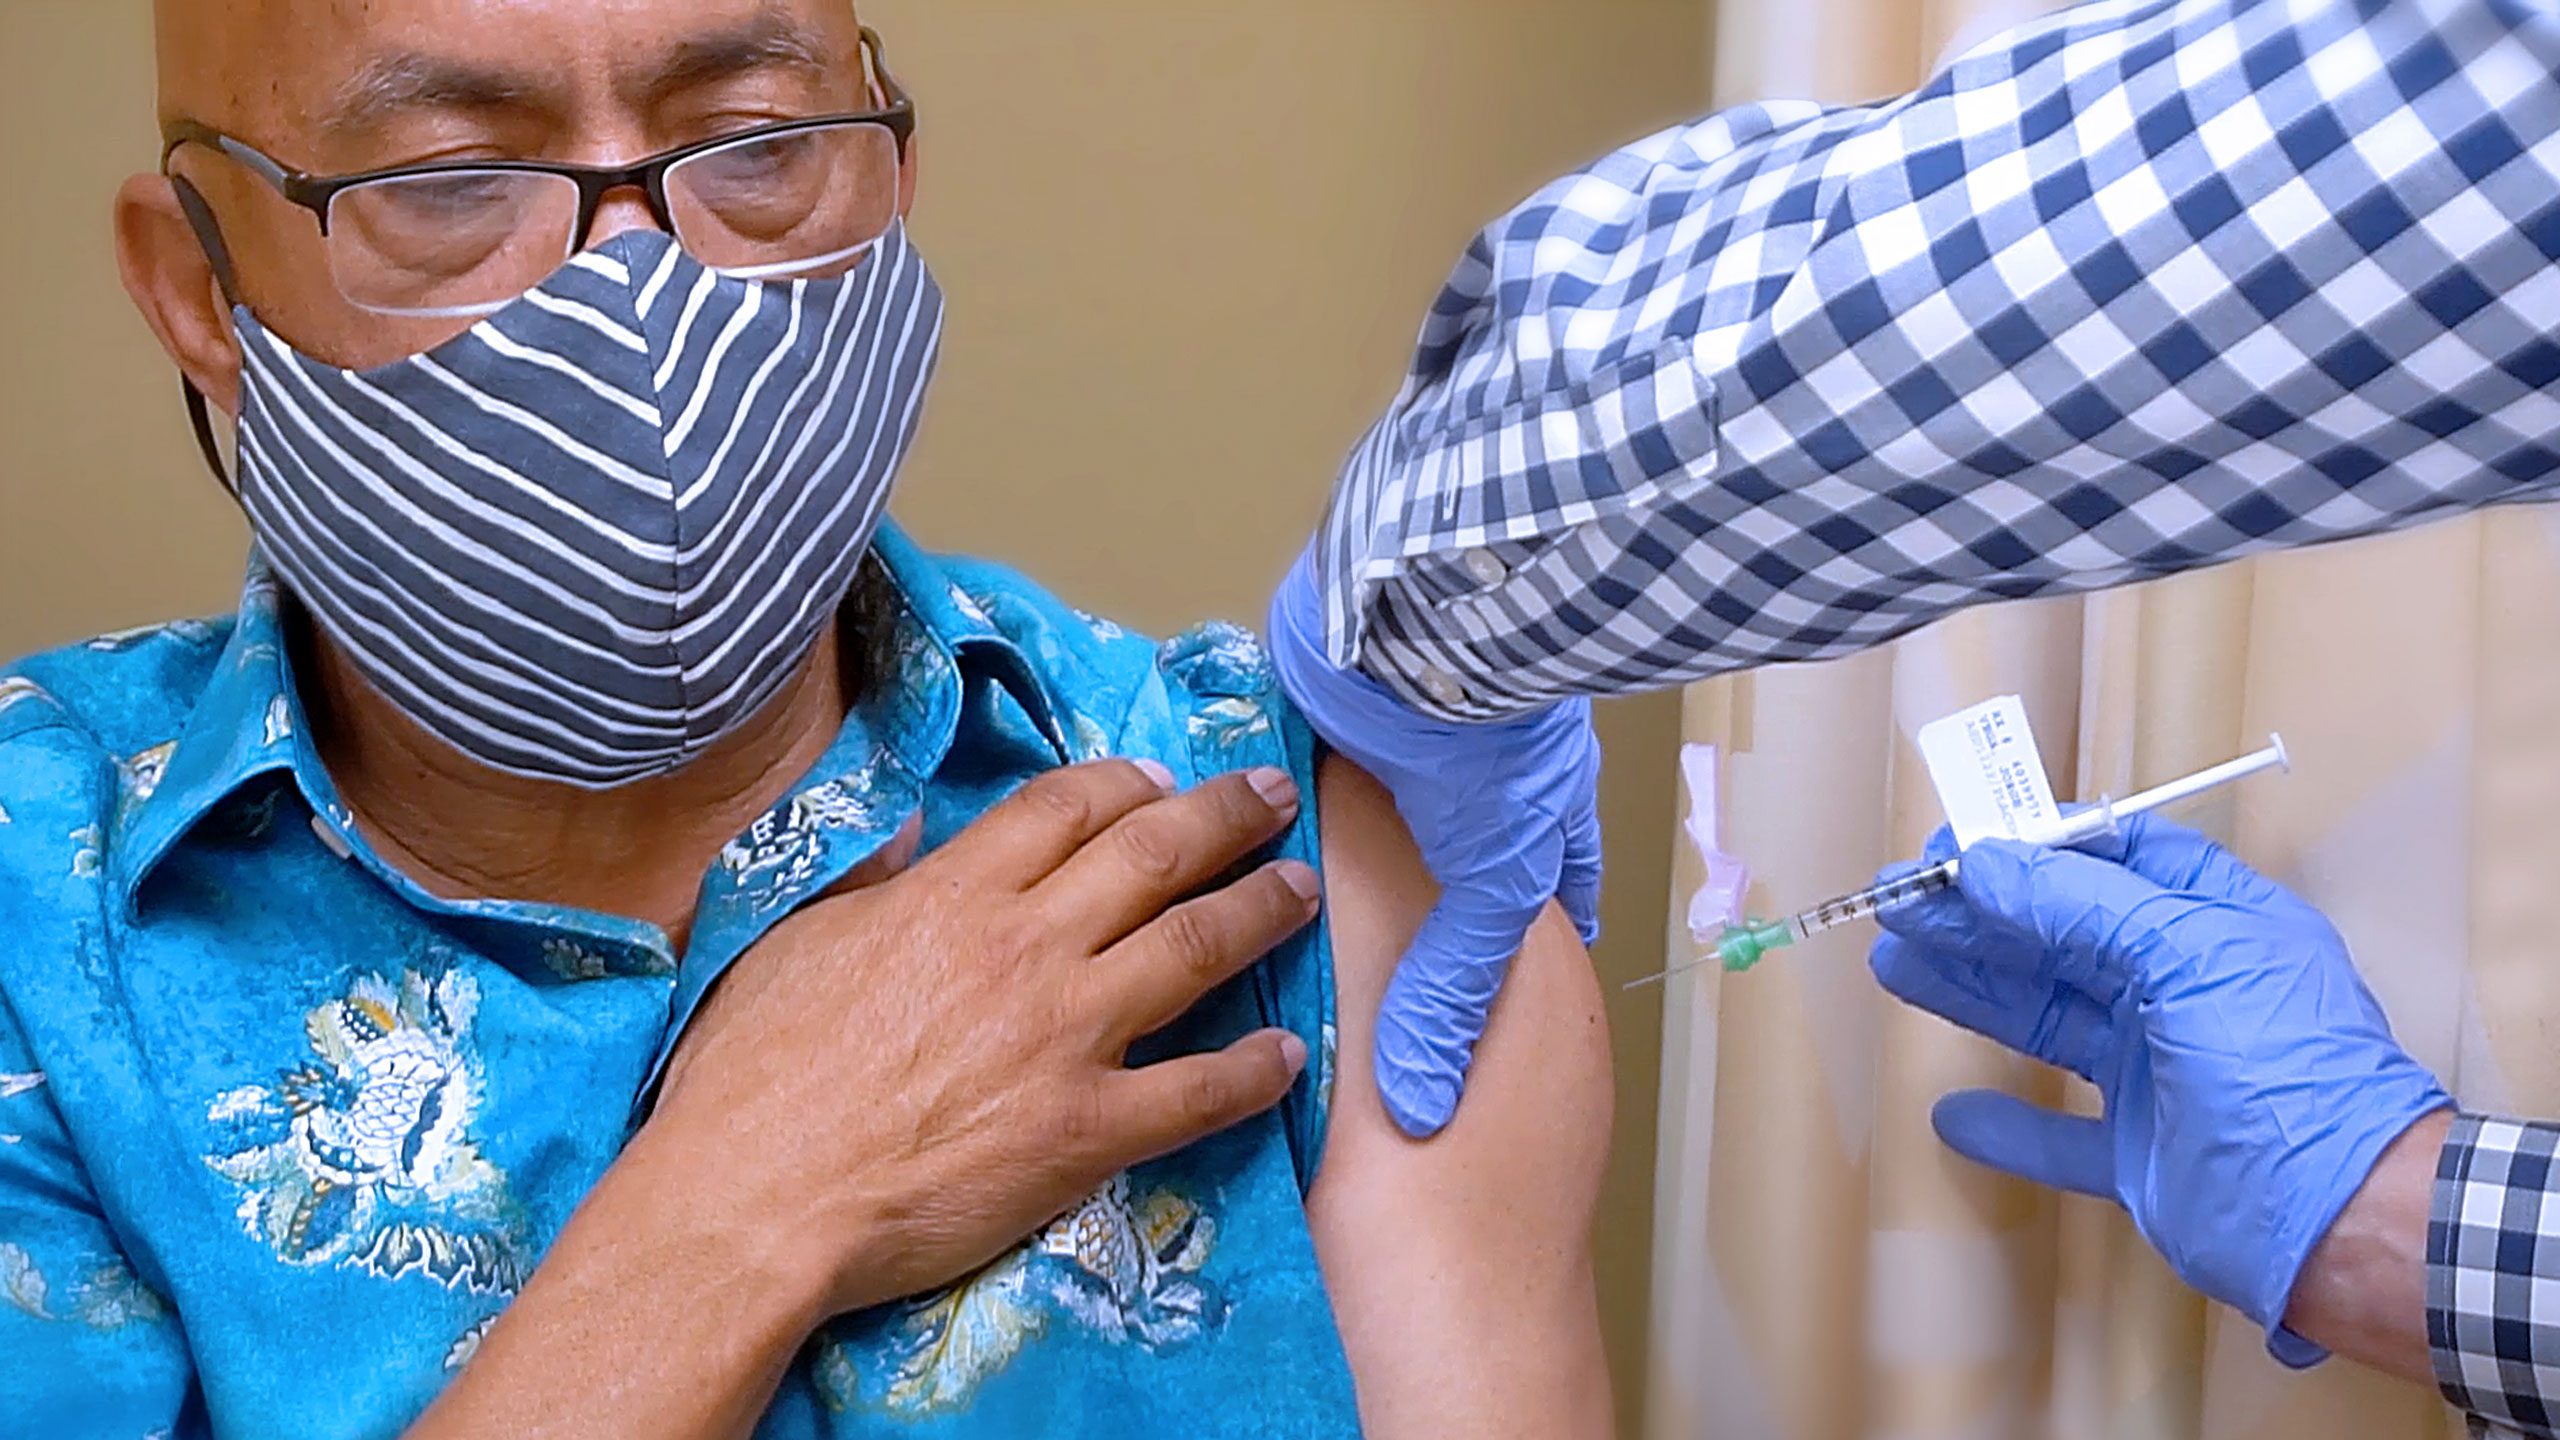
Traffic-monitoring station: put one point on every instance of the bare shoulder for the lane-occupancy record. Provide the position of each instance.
(1460, 1267)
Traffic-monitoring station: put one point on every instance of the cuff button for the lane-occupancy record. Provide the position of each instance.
(1440, 685)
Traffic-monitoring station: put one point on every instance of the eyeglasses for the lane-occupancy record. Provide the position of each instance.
(465, 238)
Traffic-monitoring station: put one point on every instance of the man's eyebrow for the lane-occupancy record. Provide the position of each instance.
(770, 41)
(392, 84)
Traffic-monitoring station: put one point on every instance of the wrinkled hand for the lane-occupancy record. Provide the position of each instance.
(901, 1081)
(2250, 1080)
(1507, 817)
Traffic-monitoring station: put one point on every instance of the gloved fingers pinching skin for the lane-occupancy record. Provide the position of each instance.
(1505, 814)
(1579, 889)
(1437, 1005)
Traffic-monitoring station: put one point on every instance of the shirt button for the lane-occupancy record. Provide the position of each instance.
(330, 839)
(1440, 685)
(1486, 567)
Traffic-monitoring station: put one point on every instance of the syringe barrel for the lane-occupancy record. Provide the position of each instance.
(1875, 899)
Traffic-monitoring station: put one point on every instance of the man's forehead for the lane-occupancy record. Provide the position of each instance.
(296, 61)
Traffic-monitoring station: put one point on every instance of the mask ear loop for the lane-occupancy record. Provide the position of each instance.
(218, 254)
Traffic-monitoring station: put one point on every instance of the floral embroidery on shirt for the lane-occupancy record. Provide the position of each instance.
(1228, 668)
(787, 845)
(110, 1298)
(245, 817)
(142, 772)
(923, 664)
(13, 1086)
(114, 1297)
(16, 688)
(1122, 1267)
(969, 608)
(467, 1346)
(572, 961)
(1218, 658)
(1091, 741)
(86, 858)
(1225, 724)
(576, 961)
(192, 632)
(364, 1157)
(1328, 1043)
(21, 1283)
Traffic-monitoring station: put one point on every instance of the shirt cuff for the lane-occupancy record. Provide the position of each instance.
(1457, 491)
(2493, 1273)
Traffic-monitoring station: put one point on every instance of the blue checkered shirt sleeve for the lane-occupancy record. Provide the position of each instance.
(2144, 286)
(2493, 1274)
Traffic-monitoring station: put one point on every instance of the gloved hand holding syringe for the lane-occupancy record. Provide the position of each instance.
(1744, 942)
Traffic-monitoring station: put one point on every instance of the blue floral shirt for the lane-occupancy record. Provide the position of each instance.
(280, 1133)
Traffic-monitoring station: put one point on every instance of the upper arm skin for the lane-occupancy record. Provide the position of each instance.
(1460, 1267)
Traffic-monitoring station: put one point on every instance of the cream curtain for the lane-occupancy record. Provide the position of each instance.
(1823, 1268)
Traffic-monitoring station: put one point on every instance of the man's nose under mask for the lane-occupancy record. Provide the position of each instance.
(597, 532)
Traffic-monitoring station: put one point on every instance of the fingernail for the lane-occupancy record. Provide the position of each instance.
(1293, 1049)
(1156, 771)
(1300, 877)
(1274, 786)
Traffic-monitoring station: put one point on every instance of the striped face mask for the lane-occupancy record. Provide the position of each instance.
(597, 532)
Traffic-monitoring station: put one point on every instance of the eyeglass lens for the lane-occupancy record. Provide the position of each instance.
(468, 241)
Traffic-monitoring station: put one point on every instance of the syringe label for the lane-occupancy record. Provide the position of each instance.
(1989, 777)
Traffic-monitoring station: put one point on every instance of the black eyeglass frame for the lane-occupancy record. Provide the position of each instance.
(316, 192)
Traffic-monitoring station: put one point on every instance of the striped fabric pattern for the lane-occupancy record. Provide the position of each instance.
(596, 532)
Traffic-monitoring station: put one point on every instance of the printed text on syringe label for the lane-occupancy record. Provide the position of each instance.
(1988, 775)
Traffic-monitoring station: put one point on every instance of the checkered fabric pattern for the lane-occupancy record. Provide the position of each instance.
(2493, 1274)
(2144, 286)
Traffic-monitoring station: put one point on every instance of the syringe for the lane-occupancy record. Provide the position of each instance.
(1743, 944)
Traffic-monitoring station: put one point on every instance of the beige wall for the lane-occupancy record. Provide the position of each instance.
(1187, 246)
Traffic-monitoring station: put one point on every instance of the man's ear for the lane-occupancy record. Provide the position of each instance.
(174, 286)
(907, 177)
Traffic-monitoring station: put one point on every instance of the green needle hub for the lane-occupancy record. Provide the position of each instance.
(1743, 945)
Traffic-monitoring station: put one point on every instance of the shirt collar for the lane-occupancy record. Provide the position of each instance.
(249, 723)
(965, 631)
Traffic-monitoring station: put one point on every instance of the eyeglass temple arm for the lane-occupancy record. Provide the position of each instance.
(217, 253)
(200, 420)
(892, 92)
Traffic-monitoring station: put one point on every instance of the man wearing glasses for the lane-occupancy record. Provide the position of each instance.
(614, 940)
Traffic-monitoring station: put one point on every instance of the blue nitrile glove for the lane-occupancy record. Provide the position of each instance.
(1507, 816)
(2250, 1080)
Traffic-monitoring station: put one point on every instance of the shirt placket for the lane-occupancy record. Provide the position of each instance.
(866, 790)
